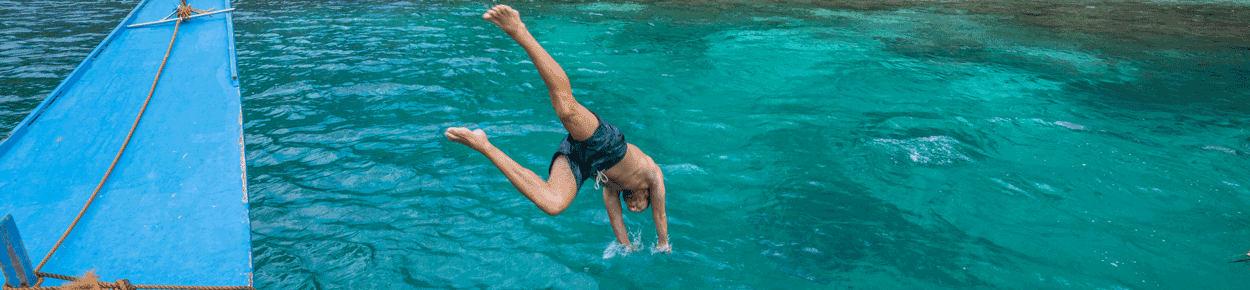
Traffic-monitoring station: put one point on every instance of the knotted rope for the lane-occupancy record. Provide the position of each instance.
(90, 282)
(184, 12)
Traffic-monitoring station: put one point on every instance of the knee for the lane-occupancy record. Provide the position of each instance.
(554, 205)
(566, 113)
(565, 109)
(554, 210)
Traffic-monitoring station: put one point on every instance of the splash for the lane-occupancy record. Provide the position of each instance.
(614, 248)
(656, 249)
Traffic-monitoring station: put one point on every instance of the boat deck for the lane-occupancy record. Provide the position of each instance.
(175, 209)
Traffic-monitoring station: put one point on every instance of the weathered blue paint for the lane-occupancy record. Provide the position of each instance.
(174, 210)
(18, 271)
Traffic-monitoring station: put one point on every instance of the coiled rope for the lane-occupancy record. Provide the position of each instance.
(183, 12)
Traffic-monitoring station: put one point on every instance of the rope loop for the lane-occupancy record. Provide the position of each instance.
(601, 179)
(185, 11)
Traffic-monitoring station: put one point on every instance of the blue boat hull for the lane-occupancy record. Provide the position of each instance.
(175, 209)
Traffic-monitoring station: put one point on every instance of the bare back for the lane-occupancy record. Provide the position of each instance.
(635, 172)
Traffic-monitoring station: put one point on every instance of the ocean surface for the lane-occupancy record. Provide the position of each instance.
(805, 144)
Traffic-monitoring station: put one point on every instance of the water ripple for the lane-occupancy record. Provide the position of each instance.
(830, 145)
(41, 42)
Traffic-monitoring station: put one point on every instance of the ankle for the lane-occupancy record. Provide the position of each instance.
(483, 147)
(516, 30)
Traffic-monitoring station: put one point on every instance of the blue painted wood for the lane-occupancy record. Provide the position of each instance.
(175, 209)
(21, 127)
(234, 69)
(17, 269)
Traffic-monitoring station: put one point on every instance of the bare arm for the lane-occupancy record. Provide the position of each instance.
(612, 200)
(657, 211)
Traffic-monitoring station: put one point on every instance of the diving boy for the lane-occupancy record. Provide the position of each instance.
(593, 149)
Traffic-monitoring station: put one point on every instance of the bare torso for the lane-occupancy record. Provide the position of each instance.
(633, 173)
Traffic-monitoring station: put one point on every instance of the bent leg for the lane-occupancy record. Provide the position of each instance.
(580, 123)
(553, 195)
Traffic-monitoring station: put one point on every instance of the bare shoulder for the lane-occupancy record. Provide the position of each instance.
(642, 159)
(635, 171)
(644, 162)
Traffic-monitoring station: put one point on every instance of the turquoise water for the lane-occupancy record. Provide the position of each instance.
(804, 145)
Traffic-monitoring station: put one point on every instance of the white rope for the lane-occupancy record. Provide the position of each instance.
(600, 178)
(171, 14)
(174, 19)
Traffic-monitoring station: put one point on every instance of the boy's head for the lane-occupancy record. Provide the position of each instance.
(636, 201)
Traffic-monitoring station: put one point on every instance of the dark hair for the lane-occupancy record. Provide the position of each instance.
(626, 194)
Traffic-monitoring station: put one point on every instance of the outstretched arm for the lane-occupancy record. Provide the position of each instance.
(657, 211)
(612, 200)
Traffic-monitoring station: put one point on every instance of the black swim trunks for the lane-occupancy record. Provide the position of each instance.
(601, 151)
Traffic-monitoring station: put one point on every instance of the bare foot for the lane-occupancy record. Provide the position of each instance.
(475, 139)
(506, 17)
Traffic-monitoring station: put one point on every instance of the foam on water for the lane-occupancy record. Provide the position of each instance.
(935, 150)
(618, 249)
(1070, 125)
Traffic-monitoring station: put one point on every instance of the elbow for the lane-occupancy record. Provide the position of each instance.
(657, 196)
(657, 185)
